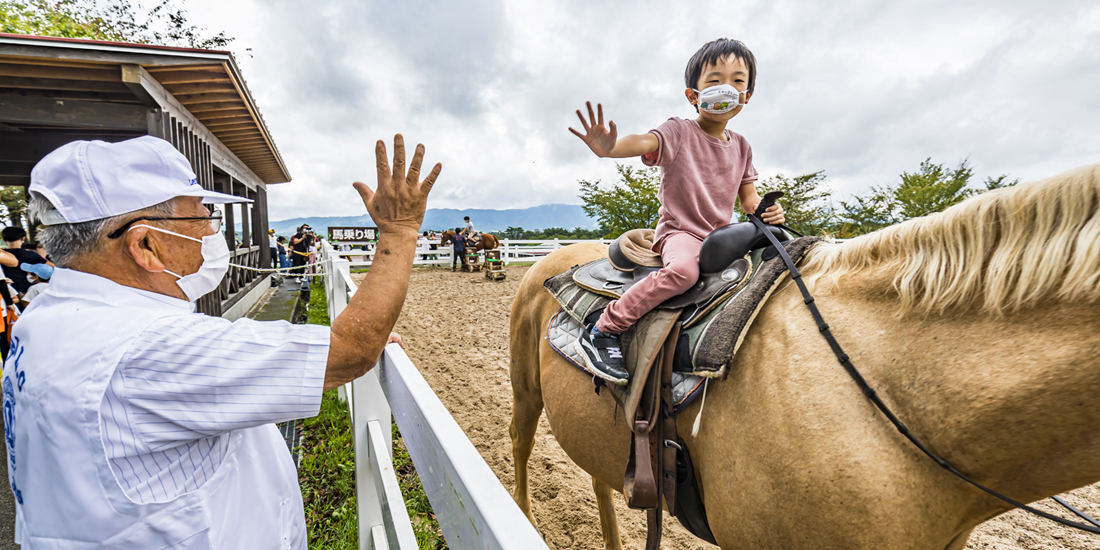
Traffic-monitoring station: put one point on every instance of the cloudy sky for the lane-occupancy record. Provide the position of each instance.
(863, 89)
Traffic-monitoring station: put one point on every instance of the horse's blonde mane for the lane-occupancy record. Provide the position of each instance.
(1001, 251)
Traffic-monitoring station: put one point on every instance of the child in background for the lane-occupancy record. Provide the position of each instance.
(704, 167)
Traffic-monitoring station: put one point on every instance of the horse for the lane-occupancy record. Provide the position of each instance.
(978, 326)
(487, 242)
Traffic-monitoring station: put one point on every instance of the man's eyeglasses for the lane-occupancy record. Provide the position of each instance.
(215, 218)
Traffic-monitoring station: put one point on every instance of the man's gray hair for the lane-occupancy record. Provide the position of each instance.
(68, 242)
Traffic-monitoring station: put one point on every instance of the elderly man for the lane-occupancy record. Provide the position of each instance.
(133, 422)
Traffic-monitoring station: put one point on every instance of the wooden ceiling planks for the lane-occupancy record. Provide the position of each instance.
(210, 88)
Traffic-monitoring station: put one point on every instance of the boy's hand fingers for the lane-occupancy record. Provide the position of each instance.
(599, 108)
(584, 123)
(591, 114)
(576, 133)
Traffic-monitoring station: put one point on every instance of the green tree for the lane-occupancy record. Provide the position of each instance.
(933, 188)
(806, 201)
(1000, 181)
(113, 20)
(867, 213)
(630, 204)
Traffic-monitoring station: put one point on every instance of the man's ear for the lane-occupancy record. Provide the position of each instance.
(690, 95)
(143, 247)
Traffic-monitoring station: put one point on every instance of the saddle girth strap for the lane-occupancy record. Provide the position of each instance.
(651, 468)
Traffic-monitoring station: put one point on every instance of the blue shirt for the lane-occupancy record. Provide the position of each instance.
(460, 243)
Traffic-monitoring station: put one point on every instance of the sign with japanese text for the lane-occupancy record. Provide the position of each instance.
(353, 233)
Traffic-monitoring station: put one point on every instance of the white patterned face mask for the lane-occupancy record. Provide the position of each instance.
(215, 264)
(719, 99)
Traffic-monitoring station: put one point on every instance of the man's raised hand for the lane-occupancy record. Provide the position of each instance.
(599, 139)
(401, 197)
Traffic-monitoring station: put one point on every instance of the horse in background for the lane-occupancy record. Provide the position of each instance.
(487, 242)
(979, 326)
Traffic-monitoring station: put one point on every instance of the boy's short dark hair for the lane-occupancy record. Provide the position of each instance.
(27, 245)
(13, 233)
(712, 52)
(467, 218)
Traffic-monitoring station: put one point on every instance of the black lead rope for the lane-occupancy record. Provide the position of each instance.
(873, 396)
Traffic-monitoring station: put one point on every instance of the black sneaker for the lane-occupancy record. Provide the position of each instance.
(603, 355)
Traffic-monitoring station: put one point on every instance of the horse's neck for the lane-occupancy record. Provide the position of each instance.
(1012, 400)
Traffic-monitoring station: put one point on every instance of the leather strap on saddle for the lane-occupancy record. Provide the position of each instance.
(651, 468)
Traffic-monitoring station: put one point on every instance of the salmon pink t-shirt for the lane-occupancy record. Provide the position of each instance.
(700, 176)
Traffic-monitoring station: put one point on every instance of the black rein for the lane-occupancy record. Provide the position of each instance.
(846, 362)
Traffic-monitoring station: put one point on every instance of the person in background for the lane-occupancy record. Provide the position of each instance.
(14, 237)
(313, 246)
(280, 246)
(459, 243)
(274, 247)
(299, 250)
(39, 276)
(469, 229)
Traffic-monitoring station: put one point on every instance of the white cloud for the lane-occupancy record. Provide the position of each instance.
(861, 89)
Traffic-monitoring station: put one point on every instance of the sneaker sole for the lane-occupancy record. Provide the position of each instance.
(579, 350)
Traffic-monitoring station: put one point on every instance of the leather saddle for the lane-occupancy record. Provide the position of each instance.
(722, 267)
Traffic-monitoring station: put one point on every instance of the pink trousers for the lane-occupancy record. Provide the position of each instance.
(680, 254)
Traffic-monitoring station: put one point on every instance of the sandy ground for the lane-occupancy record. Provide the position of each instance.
(455, 327)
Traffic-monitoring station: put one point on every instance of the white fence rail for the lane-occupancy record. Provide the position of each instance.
(473, 508)
(361, 253)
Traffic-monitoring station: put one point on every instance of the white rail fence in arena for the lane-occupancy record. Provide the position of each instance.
(473, 508)
(360, 253)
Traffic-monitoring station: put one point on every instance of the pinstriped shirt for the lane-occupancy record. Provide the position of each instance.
(188, 381)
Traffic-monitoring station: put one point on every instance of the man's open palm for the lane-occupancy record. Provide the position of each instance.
(599, 139)
(401, 197)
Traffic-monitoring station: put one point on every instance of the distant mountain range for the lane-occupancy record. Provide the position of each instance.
(567, 216)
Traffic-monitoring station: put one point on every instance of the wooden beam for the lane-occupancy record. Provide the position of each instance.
(131, 78)
(16, 167)
(214, 97)
(222, 117)
(224, 134)
(87, 114)
(25, 83)
(111, 97)
(107, 53)
(219, 127)
(201, 88)
(6, 128)
(15, 180)
(217, 108)
(62, 73)
(32, 146)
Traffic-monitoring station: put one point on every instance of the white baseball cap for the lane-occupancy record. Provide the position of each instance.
(92, 180)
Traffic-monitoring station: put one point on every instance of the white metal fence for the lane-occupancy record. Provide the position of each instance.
(473, 508)
(360, 253)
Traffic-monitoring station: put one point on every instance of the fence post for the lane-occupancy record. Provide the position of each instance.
(504, 253)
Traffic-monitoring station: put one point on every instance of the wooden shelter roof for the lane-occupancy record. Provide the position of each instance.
(207, 83)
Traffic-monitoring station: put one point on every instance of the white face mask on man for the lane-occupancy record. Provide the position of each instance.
(215, 264)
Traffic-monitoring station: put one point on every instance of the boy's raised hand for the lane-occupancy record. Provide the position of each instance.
(599, 139)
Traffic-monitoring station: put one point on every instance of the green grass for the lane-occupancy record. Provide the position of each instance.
(327, 472)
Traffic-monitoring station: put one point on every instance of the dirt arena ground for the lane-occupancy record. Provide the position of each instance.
(455, 327)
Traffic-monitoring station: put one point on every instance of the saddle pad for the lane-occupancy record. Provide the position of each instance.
(707, 348)
(563, 334)
(576, 301)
